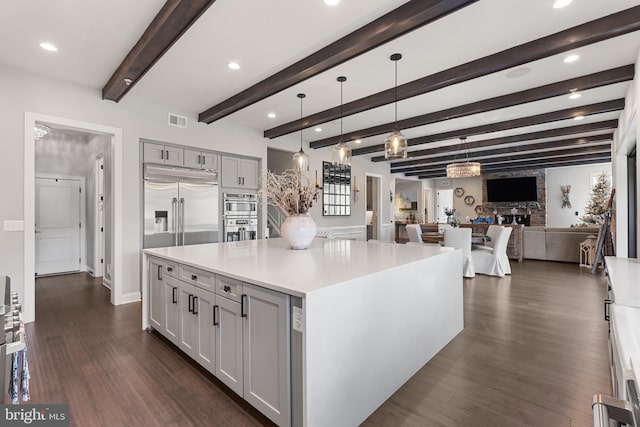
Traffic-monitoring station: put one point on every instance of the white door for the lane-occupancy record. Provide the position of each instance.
(57, 225)
(444, 200)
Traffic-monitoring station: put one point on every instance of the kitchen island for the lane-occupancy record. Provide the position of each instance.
(338, 327)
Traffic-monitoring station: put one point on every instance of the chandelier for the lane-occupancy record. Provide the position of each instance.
(465, 169)
(395, 145)
(341, 152)
(301, 159)
(40, 130)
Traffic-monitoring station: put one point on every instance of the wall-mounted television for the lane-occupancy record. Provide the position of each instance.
(522, 189)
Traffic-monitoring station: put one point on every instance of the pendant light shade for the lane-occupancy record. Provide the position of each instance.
(40, 131)
(463, 169)
(341, 152)
(301, 159)
(395, 145)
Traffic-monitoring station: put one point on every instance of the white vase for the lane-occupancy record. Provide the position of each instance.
(298, 230)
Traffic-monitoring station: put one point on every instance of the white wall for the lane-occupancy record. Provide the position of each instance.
(471, 186)
(579, 178)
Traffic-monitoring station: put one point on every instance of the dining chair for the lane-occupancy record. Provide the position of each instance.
(415, 233)
(492, 233)
(460, 238)
(494, 261)
(444, 227)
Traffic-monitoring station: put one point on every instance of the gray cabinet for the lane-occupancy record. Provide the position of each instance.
(162, 154)
(200, 159)
(188, 320)
(205, 348)
(229, 361)
(267, 385)
(238, 172)
(171, 327)
(156, 294)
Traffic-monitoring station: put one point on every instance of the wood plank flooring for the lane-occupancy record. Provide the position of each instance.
(533, 352)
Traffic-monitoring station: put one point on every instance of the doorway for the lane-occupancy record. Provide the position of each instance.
(373, 207)
(444, 200)
(113, 208)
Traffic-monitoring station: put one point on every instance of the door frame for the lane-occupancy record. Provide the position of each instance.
(98, 236)
(378, 222)
(83, 214)
(30, 120)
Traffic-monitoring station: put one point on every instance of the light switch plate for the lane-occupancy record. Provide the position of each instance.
(298, 319)
(13, 225)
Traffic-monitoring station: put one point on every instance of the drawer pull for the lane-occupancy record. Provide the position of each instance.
(174, 298)
(169, 269)
(227, 288)
(194, 277)
(190, 303)
(195, 310)
(216, 322)
(607, 303)
(159, 272)
(243, 297)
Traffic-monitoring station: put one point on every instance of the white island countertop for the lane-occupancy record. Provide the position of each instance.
(271, 263)
(624, 277)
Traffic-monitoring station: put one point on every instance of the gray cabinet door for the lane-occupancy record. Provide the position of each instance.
(192, 158)
(230, 172)
(229, 344)
(153, 153)
(267, 361)
(174, 156)
(156, 294)
(188, 321)
(250, 173)
(171, 309)
(205, 351)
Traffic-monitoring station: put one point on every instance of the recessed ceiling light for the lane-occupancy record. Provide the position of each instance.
(559, 4)
(358, 141)
(518, 72)
(271, 115)
(575, 94)
(233, 65)
(331, 2)
(580, 117)
(318, 129)
(49, 46)
(571, 58)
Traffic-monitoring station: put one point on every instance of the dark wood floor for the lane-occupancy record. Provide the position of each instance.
(533, 352)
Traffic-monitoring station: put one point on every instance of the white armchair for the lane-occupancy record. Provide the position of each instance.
(492, 232)
(415, 233)
(460, 238)
(493, 261)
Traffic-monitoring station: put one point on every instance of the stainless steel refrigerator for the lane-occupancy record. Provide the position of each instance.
(181, 207)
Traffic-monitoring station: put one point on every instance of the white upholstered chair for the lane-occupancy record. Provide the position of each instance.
(494, 261)
(415, 233)
(492, 232)
(460, 238)
(443, 227)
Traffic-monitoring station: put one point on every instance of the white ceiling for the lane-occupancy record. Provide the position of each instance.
(94, 36)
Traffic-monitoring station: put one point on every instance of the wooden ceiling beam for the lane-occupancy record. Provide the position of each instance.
(556, 146)
(604, 28)
(541, 165)
(590, 81)
(550, 133)
(169, 24)
(400, 21)
(553, 116)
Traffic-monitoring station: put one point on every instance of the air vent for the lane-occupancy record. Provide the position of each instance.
(178, 121)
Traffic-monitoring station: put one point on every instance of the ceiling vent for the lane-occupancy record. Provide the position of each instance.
(178, 121)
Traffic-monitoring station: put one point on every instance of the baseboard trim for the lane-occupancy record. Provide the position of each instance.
(106, 282)
(130, 297)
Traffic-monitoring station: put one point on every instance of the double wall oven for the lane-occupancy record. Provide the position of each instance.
(240, 212)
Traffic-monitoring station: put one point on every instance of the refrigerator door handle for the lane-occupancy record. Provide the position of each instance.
(182, 220)
(174, 210)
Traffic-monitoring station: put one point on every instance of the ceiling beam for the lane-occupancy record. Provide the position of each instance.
(590, 81)
(565, 144)
(169, 24)
(610, 26)
(537, 165)
(553, 116)
(564, 153)
(408, 17)
(550, 133)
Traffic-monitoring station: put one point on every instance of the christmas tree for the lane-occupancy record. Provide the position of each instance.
(597, 206)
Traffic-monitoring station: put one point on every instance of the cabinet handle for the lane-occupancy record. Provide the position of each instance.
(159, 272)
(243, 297)
(607, 303)
(199, 161)
(243, 180)
(194, 277)
(190, 303)
(174, 298)
(161, 154)
(226, 288)
(169, 269)
(216, 322)
(167, 154)
(195, 310)
(239, 181)
(204, 159)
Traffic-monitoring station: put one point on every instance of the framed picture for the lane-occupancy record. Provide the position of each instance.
(336, 188)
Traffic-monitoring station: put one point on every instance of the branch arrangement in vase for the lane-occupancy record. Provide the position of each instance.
(291, 191)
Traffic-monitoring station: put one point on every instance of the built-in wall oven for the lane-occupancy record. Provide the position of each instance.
(240, 212)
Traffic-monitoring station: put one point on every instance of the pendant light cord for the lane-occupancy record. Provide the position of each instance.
(341, 133)
(395, 93)
(300, 123)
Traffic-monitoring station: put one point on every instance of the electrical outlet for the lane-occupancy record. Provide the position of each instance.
(298, 319)
(13, 225)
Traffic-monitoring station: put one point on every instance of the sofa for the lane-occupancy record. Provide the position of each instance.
(555, 244)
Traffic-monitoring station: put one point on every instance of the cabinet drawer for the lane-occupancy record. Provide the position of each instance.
(172, 269)
(228, 287)
(202, 279)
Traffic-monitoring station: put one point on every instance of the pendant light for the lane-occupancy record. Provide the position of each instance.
(40, 131)
(341, 152)
(465, 169)
(301, 159)
(395, 145)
